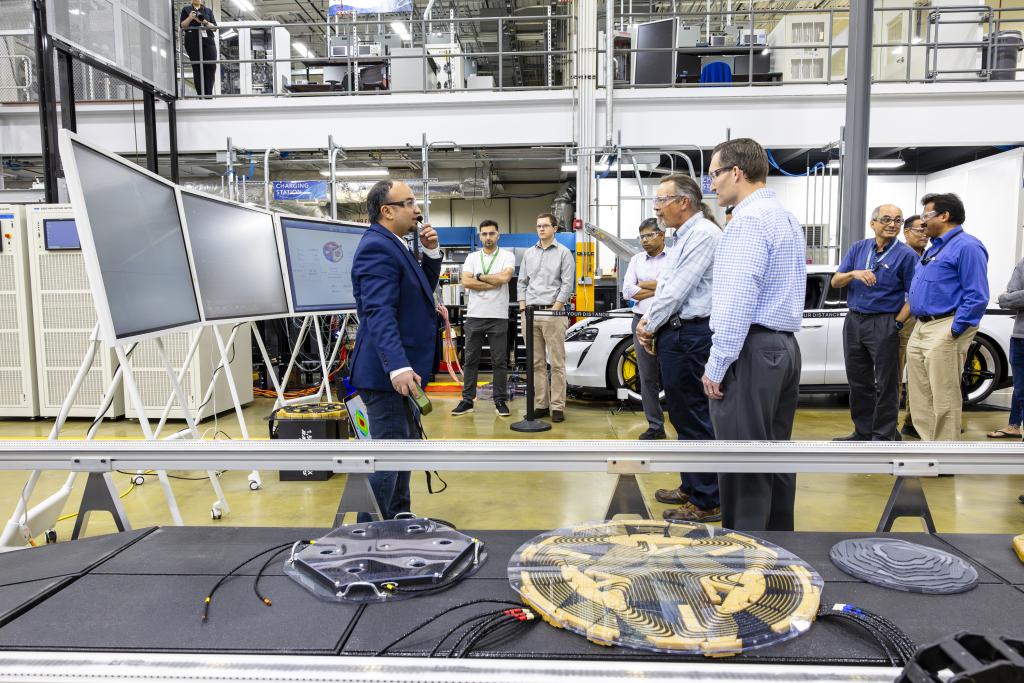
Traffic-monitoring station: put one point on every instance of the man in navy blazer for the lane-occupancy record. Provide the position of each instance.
(397, 345)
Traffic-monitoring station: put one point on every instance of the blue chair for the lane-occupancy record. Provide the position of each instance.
(716, 72)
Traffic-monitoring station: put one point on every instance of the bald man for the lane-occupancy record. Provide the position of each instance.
(878, 272)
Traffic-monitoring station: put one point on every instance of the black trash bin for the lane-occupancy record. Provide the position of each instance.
(1003, 46)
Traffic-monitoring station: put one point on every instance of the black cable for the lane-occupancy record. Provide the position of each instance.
(899, 647)
(492, 628)
(455, 629)
(471, 634)
(209, 597)
(259, 575)
(110, 399)
(437, 616)
(220, 367)
(453, 578)
(169, 476)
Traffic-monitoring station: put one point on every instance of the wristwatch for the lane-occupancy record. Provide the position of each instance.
(899, 325)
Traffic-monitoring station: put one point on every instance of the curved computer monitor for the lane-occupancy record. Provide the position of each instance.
(318, 260)
(132, 242)
(235, 254)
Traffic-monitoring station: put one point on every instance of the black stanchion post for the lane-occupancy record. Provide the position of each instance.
(529, 424)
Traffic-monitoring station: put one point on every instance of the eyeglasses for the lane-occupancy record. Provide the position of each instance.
(407, 203)
(889, 220)
(719, 171)
(918, 231)
(929, 214)
(648, 236)
(667, 199)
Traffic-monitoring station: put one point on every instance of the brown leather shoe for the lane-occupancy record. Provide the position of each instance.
(675, 496)
(688, 512)
(557, 416)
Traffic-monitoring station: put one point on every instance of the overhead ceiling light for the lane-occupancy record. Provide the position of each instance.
(302, 50)
(875, 163)
(374, 172)
(244, 5)
(401, 30)
(227, 35)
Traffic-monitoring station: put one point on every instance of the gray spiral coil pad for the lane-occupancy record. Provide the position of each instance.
(901, 565)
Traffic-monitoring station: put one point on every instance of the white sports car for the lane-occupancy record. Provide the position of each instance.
(600, 359)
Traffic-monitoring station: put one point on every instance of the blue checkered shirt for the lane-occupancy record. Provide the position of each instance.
(760, 277)
(684, 284)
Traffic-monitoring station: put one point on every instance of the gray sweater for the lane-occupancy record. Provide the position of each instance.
(1013, 299)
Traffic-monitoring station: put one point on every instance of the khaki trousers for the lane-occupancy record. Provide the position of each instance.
(908, 329)
(549, 348)
(935, 361)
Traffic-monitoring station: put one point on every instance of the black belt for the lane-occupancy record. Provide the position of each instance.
(868, 315)
(940, 316)
(540, 307)
(761, 328)
(676, 322)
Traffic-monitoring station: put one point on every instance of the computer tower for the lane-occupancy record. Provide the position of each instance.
(63, 316)
(19, 395)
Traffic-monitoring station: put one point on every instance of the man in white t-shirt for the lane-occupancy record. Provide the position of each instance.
(485, 276)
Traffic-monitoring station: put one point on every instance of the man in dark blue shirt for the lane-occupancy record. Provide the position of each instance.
(878, 271)
(948, 296)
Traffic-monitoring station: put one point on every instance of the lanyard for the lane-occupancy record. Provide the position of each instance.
(871, 255)
(486, 267)
(929, 257)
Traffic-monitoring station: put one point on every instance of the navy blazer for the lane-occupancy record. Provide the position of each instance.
(398, 322)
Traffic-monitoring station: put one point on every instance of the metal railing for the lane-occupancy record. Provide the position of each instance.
(759, 46)
(440, 64)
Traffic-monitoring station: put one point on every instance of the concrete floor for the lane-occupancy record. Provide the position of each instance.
(526, 501)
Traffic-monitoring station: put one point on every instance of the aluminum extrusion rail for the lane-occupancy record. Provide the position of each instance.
(617, 457)
(206, 668)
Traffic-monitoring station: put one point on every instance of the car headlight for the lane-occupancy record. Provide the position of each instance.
(583, 334)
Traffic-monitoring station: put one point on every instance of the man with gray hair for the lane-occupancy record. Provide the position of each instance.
(676, 327)
(878, 271)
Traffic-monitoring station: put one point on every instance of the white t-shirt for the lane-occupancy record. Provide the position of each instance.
(492, 303)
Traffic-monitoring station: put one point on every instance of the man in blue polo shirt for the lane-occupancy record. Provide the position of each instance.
(948, 296)
(878, 271)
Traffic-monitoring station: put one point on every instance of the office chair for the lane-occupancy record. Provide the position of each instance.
(373, 78)
(716, 72)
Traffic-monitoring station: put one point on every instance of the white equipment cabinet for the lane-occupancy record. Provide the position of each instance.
(64, 315)
(155, 387)
(812, 61)
(260, 42)
(18, 389)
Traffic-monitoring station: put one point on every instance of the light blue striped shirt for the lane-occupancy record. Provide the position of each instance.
(760, 277)
(684, 284)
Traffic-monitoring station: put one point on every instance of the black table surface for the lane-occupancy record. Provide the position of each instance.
(143, 591)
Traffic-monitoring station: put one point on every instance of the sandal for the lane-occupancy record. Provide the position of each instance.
(1003, 434)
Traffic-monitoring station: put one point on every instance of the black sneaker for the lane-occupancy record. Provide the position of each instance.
(909, 430)
(557, 416)
(502, 408)
(465, 406)
(652, 435)
(851, 437)
(538, 413)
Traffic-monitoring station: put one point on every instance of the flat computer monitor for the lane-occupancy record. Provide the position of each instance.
(237, 263)
(655, 68)
(133, 243)
(60, 234)
(318, 255)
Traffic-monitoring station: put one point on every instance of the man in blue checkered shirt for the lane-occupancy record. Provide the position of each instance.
(753, 373)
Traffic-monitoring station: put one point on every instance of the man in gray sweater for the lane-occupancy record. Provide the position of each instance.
(1013, 299)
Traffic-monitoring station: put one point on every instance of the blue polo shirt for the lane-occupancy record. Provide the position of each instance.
(894, 269)
(953, 275)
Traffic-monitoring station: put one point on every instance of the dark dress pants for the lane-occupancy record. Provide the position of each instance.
(760, 390)
(495, 331)
(682, 354)
(650, 382)
(391, 416)
(872, 348)
(203, 74)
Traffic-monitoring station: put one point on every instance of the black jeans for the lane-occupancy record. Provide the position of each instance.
(760, 391)
(872, 348)
(682, 353)
(203, 75)
(495, 331)
(391, 416)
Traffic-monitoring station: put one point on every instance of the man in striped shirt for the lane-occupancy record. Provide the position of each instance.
(753, 373)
